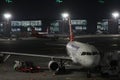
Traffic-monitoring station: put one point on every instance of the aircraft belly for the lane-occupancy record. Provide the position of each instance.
(87, 61)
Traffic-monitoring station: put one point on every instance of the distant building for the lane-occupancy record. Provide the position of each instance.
(102, 27)
(26, 25)
(62, 26)
(21, 28)
(111, 26)
(79, 26)
(1, 27)
(118, 25)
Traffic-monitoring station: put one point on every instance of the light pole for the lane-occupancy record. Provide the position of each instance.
(115, 16)
(7, 17)
(67, 17)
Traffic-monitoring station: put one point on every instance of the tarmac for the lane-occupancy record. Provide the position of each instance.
(72, 72)
(46, 47)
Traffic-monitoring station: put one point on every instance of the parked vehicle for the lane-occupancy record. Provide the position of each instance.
(26, 66)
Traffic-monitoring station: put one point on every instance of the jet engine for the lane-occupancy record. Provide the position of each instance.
(53, 65)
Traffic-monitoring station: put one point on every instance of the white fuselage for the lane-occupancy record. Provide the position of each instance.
(83, 54)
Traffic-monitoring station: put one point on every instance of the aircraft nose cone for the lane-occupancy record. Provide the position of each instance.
(92, 61)
(88, 63)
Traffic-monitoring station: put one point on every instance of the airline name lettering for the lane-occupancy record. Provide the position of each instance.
(76, 47)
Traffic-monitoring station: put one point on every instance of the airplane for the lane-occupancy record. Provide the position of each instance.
(46, 34)
(34, 33)
(84, 54)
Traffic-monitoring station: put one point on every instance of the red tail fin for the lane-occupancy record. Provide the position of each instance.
(71, 31)
(72, 37)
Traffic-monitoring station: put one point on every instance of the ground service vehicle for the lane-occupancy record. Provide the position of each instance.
(26, 66)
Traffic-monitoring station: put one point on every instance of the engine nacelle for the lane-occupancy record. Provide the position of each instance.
(53, 65)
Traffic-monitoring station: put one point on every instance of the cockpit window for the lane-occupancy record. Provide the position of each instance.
(86, 53)
(89, 53)
(83, 53)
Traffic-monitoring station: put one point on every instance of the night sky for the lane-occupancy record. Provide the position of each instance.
(91, 10)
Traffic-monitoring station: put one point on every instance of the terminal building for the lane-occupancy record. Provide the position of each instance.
(62, 27)
(110, 26)
(23, 28)
(17, 26)
(20, 28)
(102, 27)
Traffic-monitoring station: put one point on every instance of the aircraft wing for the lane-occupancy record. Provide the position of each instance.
(36, 55)
(99, 36)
